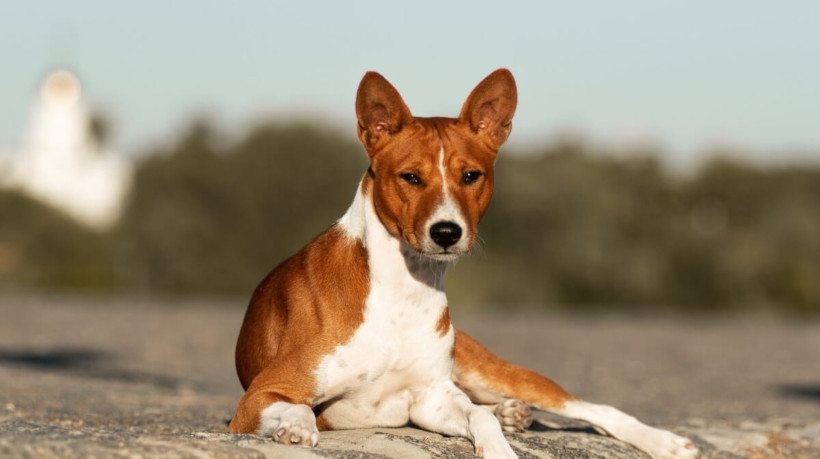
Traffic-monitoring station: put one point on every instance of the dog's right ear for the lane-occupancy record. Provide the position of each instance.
(380, 110)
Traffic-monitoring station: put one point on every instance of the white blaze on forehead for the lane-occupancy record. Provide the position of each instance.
(442, 169)
(448, 210)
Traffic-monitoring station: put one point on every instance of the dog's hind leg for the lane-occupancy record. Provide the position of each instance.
(489, 380)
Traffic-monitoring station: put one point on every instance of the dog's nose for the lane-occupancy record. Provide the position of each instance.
(445, 234)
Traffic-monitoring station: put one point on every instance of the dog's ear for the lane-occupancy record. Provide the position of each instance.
(489, 109)
(380, 110)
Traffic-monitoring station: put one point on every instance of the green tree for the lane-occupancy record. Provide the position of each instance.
(208, 218)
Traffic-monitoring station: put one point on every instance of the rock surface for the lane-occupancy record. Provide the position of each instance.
(96, 377)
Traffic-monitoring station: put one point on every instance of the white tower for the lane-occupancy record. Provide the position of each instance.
(61, 164)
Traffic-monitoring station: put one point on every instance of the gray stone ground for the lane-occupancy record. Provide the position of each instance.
(96, 377)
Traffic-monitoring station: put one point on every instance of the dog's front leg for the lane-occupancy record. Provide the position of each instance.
(445, 409)
(277, 407)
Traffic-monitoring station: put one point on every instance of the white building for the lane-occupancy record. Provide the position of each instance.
(61, 164)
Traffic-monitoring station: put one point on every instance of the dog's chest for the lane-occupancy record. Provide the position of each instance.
(399, 348)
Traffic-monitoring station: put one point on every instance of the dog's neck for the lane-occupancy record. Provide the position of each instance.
(393, 264)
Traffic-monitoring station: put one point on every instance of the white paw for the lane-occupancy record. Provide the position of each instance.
(487, 436)
(666, 445)
(513, 414)
(289, 424)
(502, 450)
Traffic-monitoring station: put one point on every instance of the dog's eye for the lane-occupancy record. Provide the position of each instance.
(411, 178)
(470, 177)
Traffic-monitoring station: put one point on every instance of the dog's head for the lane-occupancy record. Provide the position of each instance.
(432, 178)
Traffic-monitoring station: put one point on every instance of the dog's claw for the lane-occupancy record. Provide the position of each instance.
(290, 424)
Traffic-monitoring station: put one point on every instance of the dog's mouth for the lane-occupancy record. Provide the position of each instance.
(442, 256)
(432, 251)
(434, 254)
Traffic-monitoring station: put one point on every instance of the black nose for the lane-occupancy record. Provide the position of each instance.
(445, 234)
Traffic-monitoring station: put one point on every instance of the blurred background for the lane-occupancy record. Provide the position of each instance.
(664, 156)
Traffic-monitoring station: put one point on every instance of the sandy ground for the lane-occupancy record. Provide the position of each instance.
(137, 377)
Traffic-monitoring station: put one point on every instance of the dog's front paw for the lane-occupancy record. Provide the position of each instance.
(495, 451)
(666, 445)
(296, 433)
(514, 415)
(290, 424)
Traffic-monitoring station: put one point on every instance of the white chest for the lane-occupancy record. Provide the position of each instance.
(400, 346)
(399, 349)
(396, 352)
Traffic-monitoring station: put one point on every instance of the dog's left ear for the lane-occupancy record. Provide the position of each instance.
(489, 109)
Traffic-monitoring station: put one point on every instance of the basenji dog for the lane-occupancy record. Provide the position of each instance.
(354, 330)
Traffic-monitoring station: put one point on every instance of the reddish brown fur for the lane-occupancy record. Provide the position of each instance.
(482, 374)
(405, 208)
(443, 324)
(299, 301)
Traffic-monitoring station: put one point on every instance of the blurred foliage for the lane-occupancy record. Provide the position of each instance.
(208, 218)
(569, 226)
(42, 248)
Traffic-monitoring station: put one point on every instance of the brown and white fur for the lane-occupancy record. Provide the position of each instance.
(353, 331)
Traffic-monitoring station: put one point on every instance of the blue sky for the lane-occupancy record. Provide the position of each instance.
(687, 74)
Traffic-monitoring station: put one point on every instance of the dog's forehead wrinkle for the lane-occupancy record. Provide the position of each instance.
(437, 132)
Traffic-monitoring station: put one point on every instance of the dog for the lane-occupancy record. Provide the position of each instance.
(354, 330)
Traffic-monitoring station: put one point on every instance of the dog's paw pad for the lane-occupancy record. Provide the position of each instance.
(514, 415)
(290, 424)
(290, 434)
